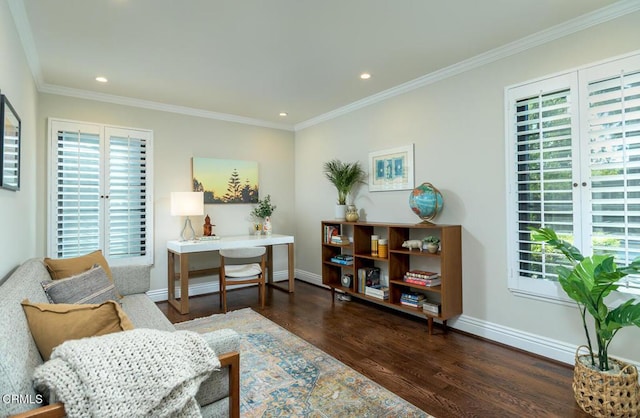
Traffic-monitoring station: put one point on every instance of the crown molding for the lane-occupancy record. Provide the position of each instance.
(19, 14)
(596, 17)
(163, 107)
(569, 27)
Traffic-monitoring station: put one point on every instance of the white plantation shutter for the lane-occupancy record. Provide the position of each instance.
(614, 166)
(573, 153)
(100, 192)
(544, 155)
(127, 201)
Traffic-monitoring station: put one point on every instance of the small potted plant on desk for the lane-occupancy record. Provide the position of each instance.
(431, 244)
(602, 386)
(263, 211)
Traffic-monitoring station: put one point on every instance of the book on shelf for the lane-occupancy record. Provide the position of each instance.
(339, 239)
(423, 282)
(412, 299)
(422, 274)
(330, 231)
(378, 291)
(344, 259)
(431, 308)
(413, 304)
(368, 276)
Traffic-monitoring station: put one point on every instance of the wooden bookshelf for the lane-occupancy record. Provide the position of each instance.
(447, 261)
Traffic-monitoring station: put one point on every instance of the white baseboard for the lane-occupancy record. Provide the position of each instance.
(546, 347)
(160, 295)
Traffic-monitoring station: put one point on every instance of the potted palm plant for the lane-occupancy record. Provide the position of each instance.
(602, 386)
(344, 177)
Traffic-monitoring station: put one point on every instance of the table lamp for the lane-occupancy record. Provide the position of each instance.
(187, 204)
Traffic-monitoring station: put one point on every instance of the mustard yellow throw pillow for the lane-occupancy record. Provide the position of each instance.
(61, 268)
(53, 324)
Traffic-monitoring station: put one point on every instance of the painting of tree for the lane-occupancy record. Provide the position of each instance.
(225, 181)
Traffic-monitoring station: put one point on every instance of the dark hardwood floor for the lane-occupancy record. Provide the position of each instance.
(447, 374)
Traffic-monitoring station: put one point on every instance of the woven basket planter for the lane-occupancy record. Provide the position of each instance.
(605, 394)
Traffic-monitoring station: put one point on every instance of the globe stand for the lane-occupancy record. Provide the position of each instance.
(426, 202)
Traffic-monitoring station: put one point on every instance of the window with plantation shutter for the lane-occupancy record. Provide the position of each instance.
(100, 188)
(573, 151)
(614, 161)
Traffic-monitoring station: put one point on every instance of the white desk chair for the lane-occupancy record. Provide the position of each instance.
(235, 274)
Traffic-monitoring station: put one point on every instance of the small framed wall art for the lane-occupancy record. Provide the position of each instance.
(391, 169)
(10, 131)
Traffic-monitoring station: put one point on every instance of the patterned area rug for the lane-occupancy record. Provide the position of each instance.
(284, 376)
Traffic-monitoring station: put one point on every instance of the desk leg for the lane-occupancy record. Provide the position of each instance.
(270, 264)
(183, 305)
(291, 269)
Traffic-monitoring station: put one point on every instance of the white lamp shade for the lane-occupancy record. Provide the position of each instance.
(187, 203)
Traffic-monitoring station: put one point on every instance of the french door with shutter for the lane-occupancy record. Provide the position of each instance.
(100, 189)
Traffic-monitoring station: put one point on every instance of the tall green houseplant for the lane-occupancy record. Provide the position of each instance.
(344, 176)
(588, 282)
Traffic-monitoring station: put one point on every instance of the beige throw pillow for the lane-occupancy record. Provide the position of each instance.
(53, 324)
(60, 268)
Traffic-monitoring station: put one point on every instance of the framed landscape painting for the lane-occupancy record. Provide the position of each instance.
(391, 169)
(225, 181)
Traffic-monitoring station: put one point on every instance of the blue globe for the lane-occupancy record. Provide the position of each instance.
(426, 201)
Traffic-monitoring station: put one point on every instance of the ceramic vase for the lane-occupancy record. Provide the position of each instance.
(266, 226)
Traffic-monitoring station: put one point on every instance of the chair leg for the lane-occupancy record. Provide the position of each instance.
(224, 300)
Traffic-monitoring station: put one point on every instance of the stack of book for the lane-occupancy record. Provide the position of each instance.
(344, 259)
(415, 300)
(431, 308)
(339, 239)
(368, 276)
(329, 232)
(377, 291)
(422, 277)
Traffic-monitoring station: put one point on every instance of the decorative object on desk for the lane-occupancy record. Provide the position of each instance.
(263, 210)
(266, 226)
(352, 213)
(431, 244)
(187, 204)
(225, 181)
(344, 176)
(602, 386)
(426, 202)
(10, 131)
(391, 169)
(208, 227)
(257, 228)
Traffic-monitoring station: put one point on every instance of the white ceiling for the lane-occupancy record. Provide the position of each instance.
(248, 60)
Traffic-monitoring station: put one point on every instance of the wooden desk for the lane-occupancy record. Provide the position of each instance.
(182, 249)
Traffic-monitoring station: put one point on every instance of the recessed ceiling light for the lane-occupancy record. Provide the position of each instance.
(365, 76)
(102, 79)
(284, 114)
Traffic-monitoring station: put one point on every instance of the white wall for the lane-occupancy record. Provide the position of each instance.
(457, 126)
(17, 209)
(178, 138)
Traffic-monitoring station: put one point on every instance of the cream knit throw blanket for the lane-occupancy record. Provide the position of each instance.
(137, 373)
